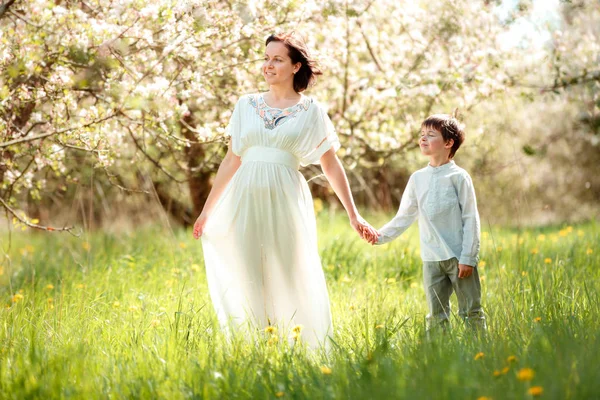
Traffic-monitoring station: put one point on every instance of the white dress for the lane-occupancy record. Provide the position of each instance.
(260, 243)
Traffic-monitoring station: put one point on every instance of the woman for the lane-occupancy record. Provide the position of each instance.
(258, 225)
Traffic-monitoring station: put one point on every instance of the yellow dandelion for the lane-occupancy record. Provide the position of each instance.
(589, 251)
(524, 273)
(272, 340)
(525, 374)
(330, 267)
(133, 308)
(380, 326)
(541, 237)
(511, 359)
(482, 264)
(86, 246)
(521, 241)
(50, 300)
(505, 370)
(391, 280)
(563, 233)
(534, 250)
(479, 356)
(17, 298)
(298, 328)
(580, 233)
(352, 308)
(296, 336)
(175, 271)
(154, 323)
(80, 286)
(484, 398)
(182, 245)
(499, 249)
(536, 390)
(537, 319)
(116, 304)
(414, 285)
(485, 234)
(49, 286)
(569, 229)
(195, 267)
(547, 260)
(318, 205)
(482, 278)
(346, 279)
(1, 270)
(271, 330)
(325, 370)
(497, 373)
(279, 394)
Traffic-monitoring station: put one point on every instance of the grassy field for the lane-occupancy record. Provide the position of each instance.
(129, 316)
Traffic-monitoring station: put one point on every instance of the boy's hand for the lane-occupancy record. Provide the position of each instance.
(362, 227)
(374, 238)
(371, 236)
(464, 271)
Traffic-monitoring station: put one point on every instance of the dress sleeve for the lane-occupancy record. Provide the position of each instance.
(234, 128)
(320, 137)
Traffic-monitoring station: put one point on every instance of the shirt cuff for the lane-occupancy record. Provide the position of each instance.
(382, 239)
(471, 261)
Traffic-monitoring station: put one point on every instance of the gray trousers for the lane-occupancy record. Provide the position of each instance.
(440, 278)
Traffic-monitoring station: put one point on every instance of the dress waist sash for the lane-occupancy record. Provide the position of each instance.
(270, 155)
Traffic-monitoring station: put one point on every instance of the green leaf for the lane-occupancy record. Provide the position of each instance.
(530, 151)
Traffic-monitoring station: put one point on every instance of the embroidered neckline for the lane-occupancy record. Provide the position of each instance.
(273, 117)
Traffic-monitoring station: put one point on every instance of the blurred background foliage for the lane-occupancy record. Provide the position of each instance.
(112, 112)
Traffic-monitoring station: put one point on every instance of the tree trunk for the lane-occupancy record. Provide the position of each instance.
(199, 179)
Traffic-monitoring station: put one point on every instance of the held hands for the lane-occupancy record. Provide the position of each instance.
(364, 229)
(464, 271)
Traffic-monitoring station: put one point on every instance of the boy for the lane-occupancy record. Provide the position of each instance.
(442, 197)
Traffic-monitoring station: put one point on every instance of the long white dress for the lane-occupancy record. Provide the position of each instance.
(260, 243)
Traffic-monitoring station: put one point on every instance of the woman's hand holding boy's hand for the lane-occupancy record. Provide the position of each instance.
(372, 237)
(364, 229)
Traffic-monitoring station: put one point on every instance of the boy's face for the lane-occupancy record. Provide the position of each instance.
(432, 143)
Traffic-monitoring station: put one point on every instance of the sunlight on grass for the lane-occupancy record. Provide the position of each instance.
(130, 317)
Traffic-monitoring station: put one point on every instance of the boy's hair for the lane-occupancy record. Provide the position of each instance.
(449, 127)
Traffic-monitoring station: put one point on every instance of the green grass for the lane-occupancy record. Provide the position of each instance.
(129, 317)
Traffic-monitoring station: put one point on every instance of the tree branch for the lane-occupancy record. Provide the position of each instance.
(371, 52)
(152, 160)
(45, 135)
(36, 226)
(5, 6)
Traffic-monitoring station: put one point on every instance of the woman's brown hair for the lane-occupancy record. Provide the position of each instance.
(298, 52)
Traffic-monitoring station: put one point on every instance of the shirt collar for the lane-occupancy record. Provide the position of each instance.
(442, 167)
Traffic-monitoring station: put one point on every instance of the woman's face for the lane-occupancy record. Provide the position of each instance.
(278, 68)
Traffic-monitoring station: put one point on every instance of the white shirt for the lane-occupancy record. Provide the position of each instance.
(443, 198)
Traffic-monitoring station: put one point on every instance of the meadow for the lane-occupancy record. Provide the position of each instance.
(128, 316)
